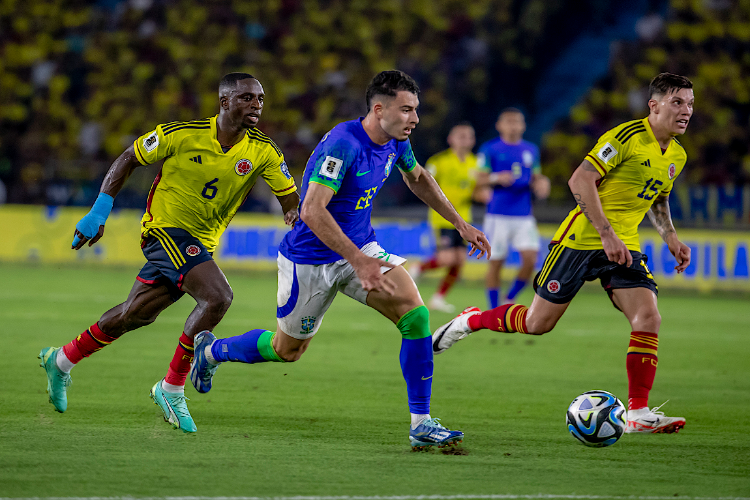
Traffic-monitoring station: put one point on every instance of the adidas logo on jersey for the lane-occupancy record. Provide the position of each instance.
(647, 163)
(197, 159)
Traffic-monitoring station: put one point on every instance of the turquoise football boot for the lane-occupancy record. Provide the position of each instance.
(431, 433)
(174, 407)
(57, 381)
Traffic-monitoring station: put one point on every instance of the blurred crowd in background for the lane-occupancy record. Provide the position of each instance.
(79, 81)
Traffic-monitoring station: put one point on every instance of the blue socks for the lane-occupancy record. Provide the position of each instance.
(417, 366)
(516, 288)
(493, 296)
(255, 346)
(416, 358)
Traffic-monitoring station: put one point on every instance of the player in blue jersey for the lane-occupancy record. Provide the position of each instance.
(334, 248)
(511, 167)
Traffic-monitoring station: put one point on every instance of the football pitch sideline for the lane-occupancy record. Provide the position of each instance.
(335, 424)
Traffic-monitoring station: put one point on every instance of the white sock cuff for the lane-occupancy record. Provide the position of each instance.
(173, 389)
(63, 363)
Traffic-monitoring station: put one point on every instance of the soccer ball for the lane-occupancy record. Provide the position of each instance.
(596, 418)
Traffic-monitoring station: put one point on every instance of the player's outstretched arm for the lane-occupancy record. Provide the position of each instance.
(583, 185)
(290, 205)
(661, 219)
(315, 214)
(427, 189)
(91, 227)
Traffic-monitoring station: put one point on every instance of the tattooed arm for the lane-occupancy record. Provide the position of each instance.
(583, 185)
(661, 219)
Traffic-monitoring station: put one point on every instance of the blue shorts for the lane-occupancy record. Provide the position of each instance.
(171, 253)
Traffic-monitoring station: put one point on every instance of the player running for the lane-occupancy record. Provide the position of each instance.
(630, 172)
(334, 248)
(511, 167)
(211, 165)
(455, 172)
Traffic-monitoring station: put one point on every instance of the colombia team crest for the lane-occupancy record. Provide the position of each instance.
(672, 170)
(243, 167)
(193, 250)
(553, 286)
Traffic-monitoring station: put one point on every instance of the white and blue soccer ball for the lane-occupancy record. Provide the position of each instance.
(596, 418)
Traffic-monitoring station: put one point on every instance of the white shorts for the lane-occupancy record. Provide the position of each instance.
(503, 231)
(306, 291)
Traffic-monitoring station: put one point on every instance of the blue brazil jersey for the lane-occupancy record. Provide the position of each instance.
(347, 161)
(523, 160)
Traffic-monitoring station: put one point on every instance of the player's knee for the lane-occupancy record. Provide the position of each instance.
(220, 299)
(539, 326)
(648, 321)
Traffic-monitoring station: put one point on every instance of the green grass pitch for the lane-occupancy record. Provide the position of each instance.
(336, 422)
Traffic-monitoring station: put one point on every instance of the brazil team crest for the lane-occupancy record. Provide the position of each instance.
(308, 324)
(243, 167)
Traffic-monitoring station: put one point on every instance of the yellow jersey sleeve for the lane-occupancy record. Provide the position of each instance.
(154, 146)
(613, 147)
(276, 174)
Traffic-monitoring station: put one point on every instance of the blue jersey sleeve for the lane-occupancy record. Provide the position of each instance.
(406, 161)
(331, 162)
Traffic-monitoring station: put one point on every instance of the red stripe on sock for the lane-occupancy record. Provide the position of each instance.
(87, 343)
(509, 318)
(641, 372)
(430, 264)
(180, 365)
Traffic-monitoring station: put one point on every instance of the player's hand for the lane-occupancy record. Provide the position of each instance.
(80, 238)
(368, 272)
(681, 253)
(541, 187)
(91, 227)
(477, 241)
(504, 178)
(615, 249)
(291, 217)
(483, 195)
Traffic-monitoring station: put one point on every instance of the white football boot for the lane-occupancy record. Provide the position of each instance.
(438, 303)
(453, 331)
(653, 422)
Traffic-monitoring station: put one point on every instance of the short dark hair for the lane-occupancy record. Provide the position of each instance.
(464, 123)
(509, 109)
(231, 79)
(667, 83)
(389, 83)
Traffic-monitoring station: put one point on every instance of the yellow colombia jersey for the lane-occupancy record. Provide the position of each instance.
(199, 187)
(634, 172)
(457, 180)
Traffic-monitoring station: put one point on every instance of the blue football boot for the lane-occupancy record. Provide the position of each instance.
(57, 381)
(431, 433)
(201, 371)
(174, 407)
